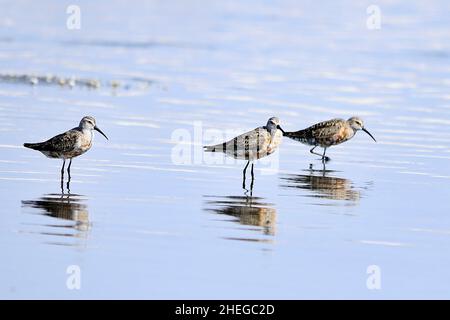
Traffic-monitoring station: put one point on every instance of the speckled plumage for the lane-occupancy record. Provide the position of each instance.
(66, 145)
(324, 134)
(69, 144)
(328, 133)
(251, 145)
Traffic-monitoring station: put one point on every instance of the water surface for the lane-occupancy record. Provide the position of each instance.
(141, 225)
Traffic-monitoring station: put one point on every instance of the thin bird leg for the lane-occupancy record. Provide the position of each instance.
(68, 168)
(324, 157)
(253, 180)
(323, 169)
(62, 169)
(68, 181)
(312, 151)
(62, 177)
(243, 175)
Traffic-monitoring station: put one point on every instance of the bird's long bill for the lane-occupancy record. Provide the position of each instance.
(279, 128)
(97, 129)
(366, 131)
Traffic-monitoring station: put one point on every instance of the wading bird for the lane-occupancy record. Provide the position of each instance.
(328, 133)
(69, 144)
(252, 145)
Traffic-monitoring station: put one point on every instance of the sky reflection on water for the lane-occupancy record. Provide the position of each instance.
(141, 226)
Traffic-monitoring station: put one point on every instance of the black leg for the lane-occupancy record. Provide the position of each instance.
(312, 151)
(68, 168)
(253, 180)
(324, 157)
(62, 176)
(62, 169)
(68, 181)
(243, 174)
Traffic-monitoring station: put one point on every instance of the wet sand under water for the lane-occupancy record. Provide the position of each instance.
(139, 224)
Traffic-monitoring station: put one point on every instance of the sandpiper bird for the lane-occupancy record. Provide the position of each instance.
(69, 144)
(328, 133)
(252, 145)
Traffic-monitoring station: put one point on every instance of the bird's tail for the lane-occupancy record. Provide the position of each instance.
(296, 135)
(34, 146)
(209, 148)
(216, 148)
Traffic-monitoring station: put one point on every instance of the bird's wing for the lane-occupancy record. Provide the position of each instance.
(327, 129)
(249, 144)
(321, 131)
(64, 142)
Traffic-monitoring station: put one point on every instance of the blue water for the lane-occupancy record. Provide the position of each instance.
(140, 224)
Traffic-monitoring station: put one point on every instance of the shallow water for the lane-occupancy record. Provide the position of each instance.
(142, 222)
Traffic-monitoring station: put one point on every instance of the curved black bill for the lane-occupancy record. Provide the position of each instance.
(97, 129)
(279, 128)
(366, 131)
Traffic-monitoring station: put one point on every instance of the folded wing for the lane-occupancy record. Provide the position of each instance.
(249, 146)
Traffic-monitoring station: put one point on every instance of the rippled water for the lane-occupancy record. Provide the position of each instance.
(171, 76)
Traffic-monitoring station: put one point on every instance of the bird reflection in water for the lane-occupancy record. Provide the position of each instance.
(249, 211)
(320, 184)
(69, 208)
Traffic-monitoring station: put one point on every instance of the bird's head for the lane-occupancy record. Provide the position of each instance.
(88, 123)
(358, 124)
(273, 124)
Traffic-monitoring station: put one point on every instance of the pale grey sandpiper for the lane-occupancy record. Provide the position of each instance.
(252, 145)
(329, 133)
(69, 144)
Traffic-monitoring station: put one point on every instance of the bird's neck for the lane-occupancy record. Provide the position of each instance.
(273, 136)
(352, 133)
(351, 129)
(87, 134)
